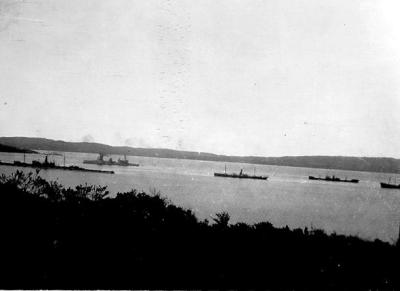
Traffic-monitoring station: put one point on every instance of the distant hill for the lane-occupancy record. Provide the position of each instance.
(12, 149)
(386, 165)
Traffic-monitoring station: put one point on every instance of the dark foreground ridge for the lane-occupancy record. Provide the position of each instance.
(369, 164)
(56, 237)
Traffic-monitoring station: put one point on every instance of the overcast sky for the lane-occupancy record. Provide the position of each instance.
(267, 77)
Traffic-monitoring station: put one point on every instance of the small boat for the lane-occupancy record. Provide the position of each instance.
(333, 179)
(241, 175)
(390, 186)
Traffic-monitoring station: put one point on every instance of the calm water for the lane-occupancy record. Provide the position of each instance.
(287, 198)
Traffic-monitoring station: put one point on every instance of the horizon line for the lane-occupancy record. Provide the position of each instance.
(201, 152)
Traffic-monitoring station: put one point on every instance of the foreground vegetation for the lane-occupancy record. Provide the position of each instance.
(57, 237)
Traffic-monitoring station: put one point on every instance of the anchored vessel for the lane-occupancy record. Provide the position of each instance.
(101, 162)
(333, 179)
(390, 186)
(241, 175)
(51, 165)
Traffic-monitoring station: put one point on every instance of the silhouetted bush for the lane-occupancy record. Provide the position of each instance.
(56, 237)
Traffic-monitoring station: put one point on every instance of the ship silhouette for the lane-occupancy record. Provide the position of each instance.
(333, 179)
(102, 162)
(241, 175)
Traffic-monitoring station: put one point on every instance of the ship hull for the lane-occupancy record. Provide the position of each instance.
(333, 180)
(50, 166)
(389, 186)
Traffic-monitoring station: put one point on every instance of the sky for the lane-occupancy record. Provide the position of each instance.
(259, 77)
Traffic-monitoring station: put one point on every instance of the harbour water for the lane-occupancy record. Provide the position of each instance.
(286, 198)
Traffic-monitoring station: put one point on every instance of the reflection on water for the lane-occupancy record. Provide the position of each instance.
(286, 198)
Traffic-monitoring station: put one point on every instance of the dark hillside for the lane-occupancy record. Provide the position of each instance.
(11, 149)
(385, 165)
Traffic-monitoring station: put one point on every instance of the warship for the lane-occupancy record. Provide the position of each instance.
(102, 162)
(51, 165)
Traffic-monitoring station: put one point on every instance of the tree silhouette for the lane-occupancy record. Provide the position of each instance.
(222, 219)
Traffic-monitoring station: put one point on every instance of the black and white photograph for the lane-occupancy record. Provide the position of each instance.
(190, 145)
